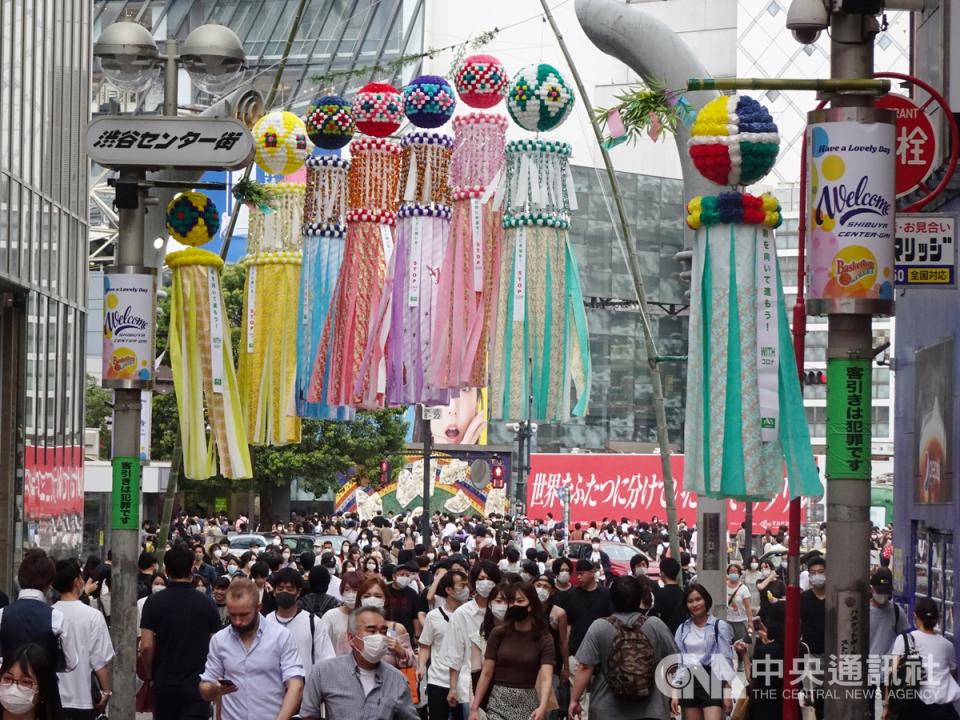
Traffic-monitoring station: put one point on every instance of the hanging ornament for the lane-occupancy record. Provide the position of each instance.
(470, 269)
(373, 193)
(329, 122)
(481, 81)
(539, 99)
(281, 141)
(378, 109)
(324, 212)
(268, 358)
(201, 360)
(192, 218)
(428, 101)
(734, 141)
(541, 347)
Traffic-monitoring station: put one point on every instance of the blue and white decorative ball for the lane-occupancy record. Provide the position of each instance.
(539, 98)
(428, 101)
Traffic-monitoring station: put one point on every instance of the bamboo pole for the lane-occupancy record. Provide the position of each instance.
(864, 86)
(633, 265)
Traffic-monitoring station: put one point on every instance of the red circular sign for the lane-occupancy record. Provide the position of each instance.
(916, 142)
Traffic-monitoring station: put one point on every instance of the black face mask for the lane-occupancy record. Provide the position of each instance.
(285, 600)
(518, 612)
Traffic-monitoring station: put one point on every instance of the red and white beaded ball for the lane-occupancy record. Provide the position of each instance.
(378, 109)
(481, 81)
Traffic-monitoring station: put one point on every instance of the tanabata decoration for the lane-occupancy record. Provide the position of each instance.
(281, 143)
(329, 122)
(268, 344)
(201, 359)
(428, 101)
(744, 418)
(192, 218)
(324, 230)
(734, 141)
(373, 198)
(541, 347)
(539, 98)
(410, 300)
(470, 271)
(481, 81)
(378, 109)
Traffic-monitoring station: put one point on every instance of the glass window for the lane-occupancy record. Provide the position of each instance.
(16, 213)
(16, 88)
(4, 219)
(6, 61)
(30, 420)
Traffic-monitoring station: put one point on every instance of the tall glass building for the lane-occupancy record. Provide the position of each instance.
(44, 73)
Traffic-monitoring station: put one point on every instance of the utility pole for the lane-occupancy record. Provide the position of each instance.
(425, 525)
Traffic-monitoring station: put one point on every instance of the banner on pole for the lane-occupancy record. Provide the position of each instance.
(849, 392)
(126, 493)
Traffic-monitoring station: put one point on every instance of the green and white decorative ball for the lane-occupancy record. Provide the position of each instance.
(539, 98)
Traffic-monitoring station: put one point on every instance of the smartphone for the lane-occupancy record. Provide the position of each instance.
(227, 683)
(757, 625)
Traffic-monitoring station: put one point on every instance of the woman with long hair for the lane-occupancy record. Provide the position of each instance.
(706, 668)
(926, 648)
(335, 619)
(28, 686)
(518, 662)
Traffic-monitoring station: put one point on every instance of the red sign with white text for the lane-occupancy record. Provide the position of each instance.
(52, 482)
(615, 486)
(916, 142)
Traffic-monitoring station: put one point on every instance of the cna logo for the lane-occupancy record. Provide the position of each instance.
(686, 676)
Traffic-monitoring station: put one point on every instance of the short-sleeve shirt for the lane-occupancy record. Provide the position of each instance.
(736, 610)
(404, 605)
(583, 607)
(90, 643)
(183, 621)
(518, 656)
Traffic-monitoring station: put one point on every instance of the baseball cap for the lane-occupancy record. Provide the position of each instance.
(882, 578)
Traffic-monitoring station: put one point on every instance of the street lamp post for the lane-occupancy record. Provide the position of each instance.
(129, 60)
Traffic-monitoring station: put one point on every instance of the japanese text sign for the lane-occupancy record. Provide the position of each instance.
(925, 251)
(849, 391)
(126, 493)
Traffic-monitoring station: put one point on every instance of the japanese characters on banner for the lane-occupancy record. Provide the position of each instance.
(768, 335)
(53, 498)
(925, 251)
(849, 391)
(620, 485)
(852, 202)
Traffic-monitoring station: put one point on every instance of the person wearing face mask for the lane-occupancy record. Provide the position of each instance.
(385, 693)
(887, 622)
(404, 599)
(318, 598)
(233, 566)
(310, 635)
(739, 609)
(750, 576)
(465, 624)
(454, 589)
(559, 631)
(813, 609)
(254, 668)
(518, 663)
(600, 560)
(371, 567)
(584, 604)
(203, 568)
(28, 685)
(220, 598)
(373, 593)
(335, 620)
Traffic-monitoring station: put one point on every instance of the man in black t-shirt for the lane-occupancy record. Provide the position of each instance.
(668, 600)
(584, 604)
(175, 635)
(404, 600)
(813, 623)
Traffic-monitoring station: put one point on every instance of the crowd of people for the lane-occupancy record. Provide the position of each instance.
(485, 617)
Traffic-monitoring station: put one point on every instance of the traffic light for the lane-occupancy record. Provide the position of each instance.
(815, 377)
(384, 471)
(496, 474)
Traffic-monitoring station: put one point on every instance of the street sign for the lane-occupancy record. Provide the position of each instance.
(925, 251)
(432, 413)
(916, 147)
(183, 142)
(125, 498)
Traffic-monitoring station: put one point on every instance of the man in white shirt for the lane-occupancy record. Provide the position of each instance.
(454, 588)
(311, 637)
(89, 641)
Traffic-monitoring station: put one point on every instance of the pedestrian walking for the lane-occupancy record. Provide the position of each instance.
(335, 620)
(454, 590)
(887, 622)
(313, 642)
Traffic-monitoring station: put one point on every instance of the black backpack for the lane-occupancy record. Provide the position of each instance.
(906, 682)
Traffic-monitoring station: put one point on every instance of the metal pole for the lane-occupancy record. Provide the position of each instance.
(748, 535)
(166, 515)
(427, 452)
(633, 264)
(870, 87)
(520, 486)
(170, 79)
(125, 544)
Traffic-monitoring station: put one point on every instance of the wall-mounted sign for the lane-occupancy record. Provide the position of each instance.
(129, 311)
(925, 251)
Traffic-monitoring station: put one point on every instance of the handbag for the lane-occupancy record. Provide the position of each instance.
(741, 711)
(411, 674)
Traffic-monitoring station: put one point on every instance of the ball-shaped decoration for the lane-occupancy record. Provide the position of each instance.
(734, 141)
(539, 99)
(378, 109)
(281, 143)
(192, 218)
(481, 81)
(329, 122)
(428, 101)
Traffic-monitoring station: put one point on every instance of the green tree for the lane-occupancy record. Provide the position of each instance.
(98, 408)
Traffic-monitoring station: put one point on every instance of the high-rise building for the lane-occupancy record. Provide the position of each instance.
(44, 73)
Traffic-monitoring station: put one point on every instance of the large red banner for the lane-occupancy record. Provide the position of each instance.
(52, 482)
(614, 486)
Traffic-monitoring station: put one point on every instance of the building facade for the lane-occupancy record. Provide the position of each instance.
(44, 76)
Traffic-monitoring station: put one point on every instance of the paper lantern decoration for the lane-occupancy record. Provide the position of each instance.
(192, 218)
(329, 122)
(378, 109)
(428, 101)
(481, 81)
(744, 412)
(281, 141)
(734, 141)
(539, 99)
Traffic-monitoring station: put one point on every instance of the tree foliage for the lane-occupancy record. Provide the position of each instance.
(98, 407)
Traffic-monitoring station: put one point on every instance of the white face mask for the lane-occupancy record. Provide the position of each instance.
(276, 541)
(374, 602)
(765, 573)
(430, 556)
(462, 595)
(374, 648)
(158, 588)
(754, 566)
(16, 700)
(563, 577)
(818, 580)
(499, 610)
(485, 587)
(525, 576)
(402, 581)
(217, 554)
(543, 594)
(349, 599)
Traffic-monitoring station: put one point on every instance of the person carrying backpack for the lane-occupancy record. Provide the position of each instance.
(617, 660)
(887, 622)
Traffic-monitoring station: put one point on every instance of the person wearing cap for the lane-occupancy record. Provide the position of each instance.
(404, 600)
(887, 622)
